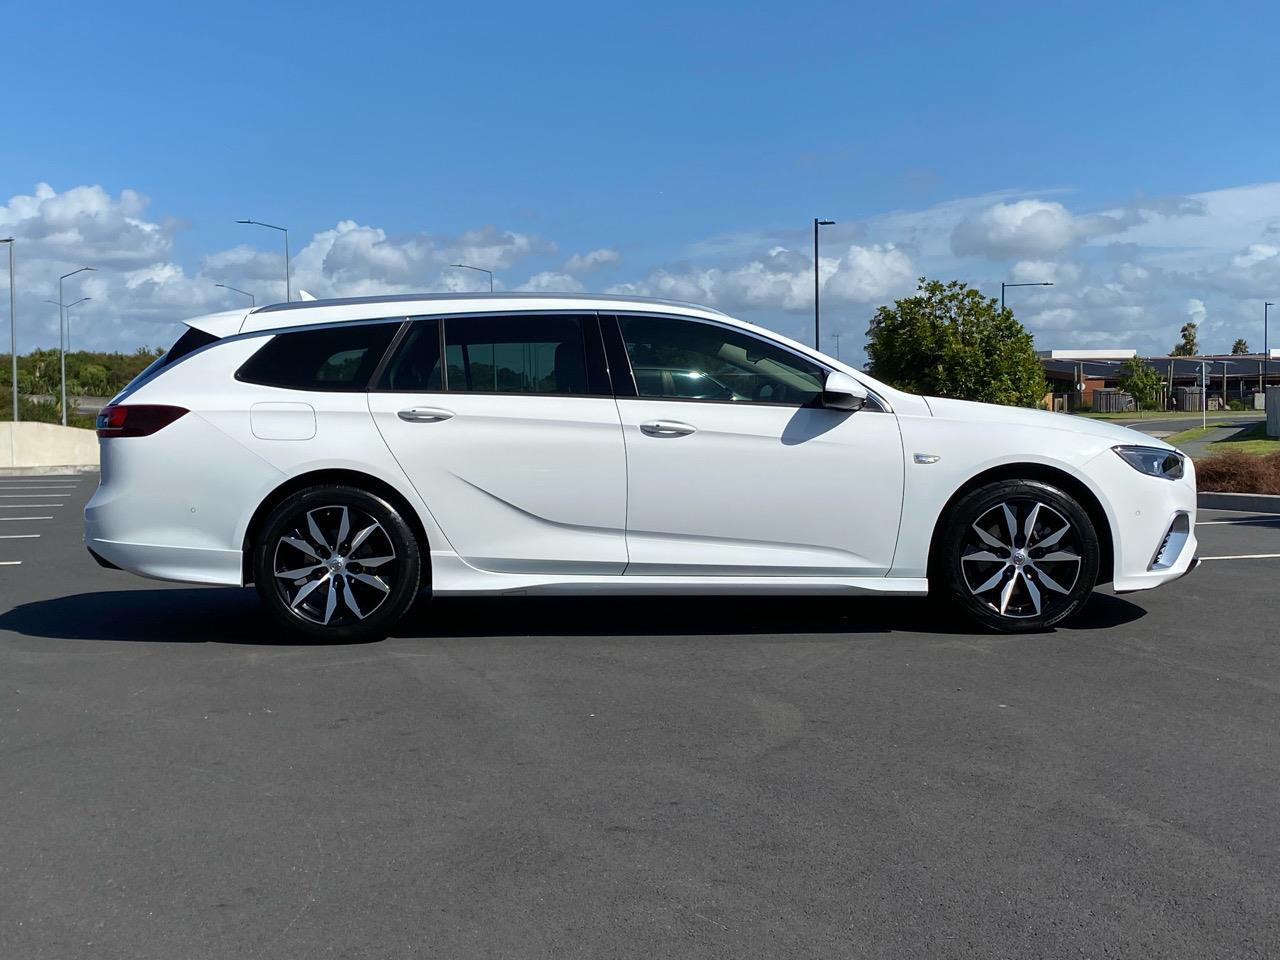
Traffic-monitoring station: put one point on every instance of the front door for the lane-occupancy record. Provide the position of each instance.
(513, 441)
(734, 467)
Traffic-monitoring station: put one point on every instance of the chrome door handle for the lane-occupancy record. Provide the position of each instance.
(424, 414)
(667, 428)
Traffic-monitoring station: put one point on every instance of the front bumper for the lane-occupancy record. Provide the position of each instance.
(1153, 523)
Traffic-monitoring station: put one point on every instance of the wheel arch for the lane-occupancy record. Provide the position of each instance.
(353, 478)
(1054, 476)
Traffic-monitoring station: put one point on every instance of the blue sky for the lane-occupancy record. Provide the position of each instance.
(686, 146)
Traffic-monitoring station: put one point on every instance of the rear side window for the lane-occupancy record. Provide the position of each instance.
(335, 359)
(536, 353)
(415, 366)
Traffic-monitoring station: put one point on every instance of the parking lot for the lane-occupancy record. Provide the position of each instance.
(649, 778)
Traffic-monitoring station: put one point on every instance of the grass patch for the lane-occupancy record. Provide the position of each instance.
(1195, 433)
(1251, 439)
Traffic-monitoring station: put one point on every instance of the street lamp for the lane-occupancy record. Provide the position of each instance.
(467, 266)
(288, 292)
(62, 342)
(253, 301)
(13, 331)
(1266, 350)
(1004, 285)
(68, 309)
(817, 281)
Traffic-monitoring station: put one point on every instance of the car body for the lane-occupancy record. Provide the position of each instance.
(523, 458)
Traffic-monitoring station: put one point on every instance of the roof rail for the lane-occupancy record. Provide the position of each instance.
(513, 295)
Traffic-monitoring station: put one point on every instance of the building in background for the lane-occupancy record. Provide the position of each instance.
(1090, 380)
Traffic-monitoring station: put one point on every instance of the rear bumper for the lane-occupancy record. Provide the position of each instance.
(101, 560)
(183, 564)
(170, 506)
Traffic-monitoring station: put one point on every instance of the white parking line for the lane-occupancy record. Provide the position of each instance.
(22, 496)
(27, 506)
(17, 519)
(19, 536)
(1247, 556)
(10, 563)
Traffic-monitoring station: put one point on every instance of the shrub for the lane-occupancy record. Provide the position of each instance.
(1235, 404)
(1239, 472)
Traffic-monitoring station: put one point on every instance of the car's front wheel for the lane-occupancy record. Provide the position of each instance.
(336, 563)
(1019, 555)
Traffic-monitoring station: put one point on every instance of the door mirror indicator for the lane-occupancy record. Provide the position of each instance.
(842, 392)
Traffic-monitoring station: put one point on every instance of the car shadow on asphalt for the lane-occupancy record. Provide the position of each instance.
(232, 615)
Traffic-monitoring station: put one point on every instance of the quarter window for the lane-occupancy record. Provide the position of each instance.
(689, 360)
(333, 359)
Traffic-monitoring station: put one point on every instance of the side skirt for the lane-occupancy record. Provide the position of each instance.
(451, 577)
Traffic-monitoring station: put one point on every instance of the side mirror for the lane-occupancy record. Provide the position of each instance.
(842, 392)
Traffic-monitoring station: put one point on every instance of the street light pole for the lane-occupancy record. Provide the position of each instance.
(817, 282)
(13, 332)
(1266, 350)
(253, 301)
(1004, 285)
(467, 266)
(288, 290)
(62, 341)
(68, 310)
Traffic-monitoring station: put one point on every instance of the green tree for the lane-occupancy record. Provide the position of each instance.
(1187, 347)
(950, 341)
(1240, 348)
(1140, 382)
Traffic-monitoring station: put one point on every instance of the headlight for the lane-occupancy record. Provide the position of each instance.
(1153, 461)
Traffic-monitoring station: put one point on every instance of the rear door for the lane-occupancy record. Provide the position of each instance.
(507, 428)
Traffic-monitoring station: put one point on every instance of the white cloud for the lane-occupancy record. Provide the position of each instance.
(551, 282)
(871, 274)
(586, 262)
(85, 223)
(1031, 228)
(1122, 276)
(1045, 271)
(1196, 311)
(782, 279)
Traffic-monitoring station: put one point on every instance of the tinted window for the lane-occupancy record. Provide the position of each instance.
(688, 360)
(415, 366)
(529, 354)
(339, 358)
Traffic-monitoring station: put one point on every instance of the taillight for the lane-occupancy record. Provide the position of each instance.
(136, 420)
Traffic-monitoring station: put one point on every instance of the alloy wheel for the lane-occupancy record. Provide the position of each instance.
(1021, 558)
(335, 565)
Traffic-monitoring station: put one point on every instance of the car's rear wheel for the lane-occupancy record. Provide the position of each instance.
(336, 563)
(1019, 556)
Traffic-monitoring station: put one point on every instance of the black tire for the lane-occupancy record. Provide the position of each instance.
(1019, 580)
(337, 595)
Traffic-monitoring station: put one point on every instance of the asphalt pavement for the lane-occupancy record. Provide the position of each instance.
(651, 778)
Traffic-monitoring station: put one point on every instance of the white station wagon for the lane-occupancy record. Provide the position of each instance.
(346, 455)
